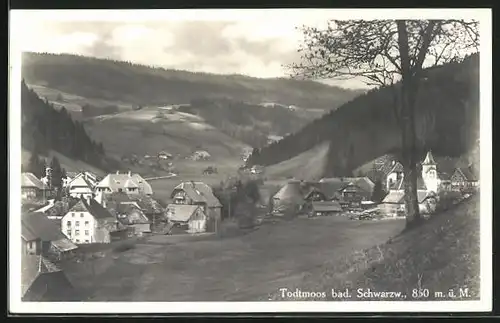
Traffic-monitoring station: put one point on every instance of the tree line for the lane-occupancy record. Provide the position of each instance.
(45, 128)
(365, 128)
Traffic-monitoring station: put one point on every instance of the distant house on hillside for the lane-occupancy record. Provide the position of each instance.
(198, 193)
(200, 155)
(41, 236)
(82, 185)
(43, 281)
(128, 183)
(132, 216)
(89, 222)
(164, 155)
(32, 187)
(190, 218)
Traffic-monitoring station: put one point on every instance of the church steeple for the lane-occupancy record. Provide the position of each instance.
(429, 159)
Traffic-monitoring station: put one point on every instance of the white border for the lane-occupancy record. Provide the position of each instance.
(485, 304)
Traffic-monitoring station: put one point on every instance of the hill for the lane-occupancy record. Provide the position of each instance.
(440, 255)
(141, 85)
(366, 128)
(45, 128)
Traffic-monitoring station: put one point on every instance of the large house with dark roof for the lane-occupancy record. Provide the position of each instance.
(464, 179)
(41, 236)
(199, 193)
(32, 187)
(89, 222)
(128, 183)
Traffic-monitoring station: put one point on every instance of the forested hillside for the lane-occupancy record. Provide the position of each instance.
(45, 128)
(366, 127)
(142, 85)
(249, 123)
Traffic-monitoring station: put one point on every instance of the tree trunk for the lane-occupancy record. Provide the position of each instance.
(408, 131)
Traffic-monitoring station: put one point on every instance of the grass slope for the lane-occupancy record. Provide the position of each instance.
(142, 132)
(440, 255)
(306, 166)
(246, 267)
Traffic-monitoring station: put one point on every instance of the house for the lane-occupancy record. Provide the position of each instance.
(41, 236)
(394, 205)
(132, 216)
(349, 190)
(89, 222)
(199, 193)
(32, 187)
(82, 185)
(191, 218)
(320, 208)
(128, 183)
(69, 177)
(464, 179)
(154, 212)
(289, 199)
(200, 155)
(42, 281)
(394, 176)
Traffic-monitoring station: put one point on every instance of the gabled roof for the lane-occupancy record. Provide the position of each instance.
(118, 181)
(42, 280)
(35, 225)
(467, 172)
(30, 180)
(328, 206)
(134, 214)
(290, 191)
(181, 212)
(397, 197)
(93, 207)
(198, 192)
(429, 159)
(147, 204)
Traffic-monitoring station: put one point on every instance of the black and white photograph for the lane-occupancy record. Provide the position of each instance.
(250, 161)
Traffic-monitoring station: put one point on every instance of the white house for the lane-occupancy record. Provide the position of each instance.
(89, 222)
(128, 183)
(190, 217)
(82, 185)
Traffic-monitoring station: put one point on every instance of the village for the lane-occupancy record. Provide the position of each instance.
(121, 207)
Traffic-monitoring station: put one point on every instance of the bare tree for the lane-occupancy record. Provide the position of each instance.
(388, 53)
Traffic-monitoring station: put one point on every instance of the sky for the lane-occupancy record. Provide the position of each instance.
(259, 45)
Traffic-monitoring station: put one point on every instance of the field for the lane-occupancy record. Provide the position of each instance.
(247, 267)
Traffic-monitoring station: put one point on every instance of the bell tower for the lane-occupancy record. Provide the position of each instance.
(429, 173)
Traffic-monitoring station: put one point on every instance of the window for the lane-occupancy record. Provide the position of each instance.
(77, 232)
(68, 232)
(86, 232)
(77, 240)
(86, 223)
(81, 215)
(77, 223)
(86, 241)
(68, 223)
(73, 214)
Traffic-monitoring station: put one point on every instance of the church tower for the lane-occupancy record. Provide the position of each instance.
(429, 173)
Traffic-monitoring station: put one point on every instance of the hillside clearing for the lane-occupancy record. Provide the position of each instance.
(307, 166)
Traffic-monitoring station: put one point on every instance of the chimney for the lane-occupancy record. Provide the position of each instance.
(129, 174)
(393, 163)
(88, 198)
(117, 172)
